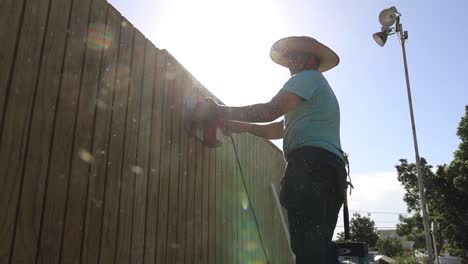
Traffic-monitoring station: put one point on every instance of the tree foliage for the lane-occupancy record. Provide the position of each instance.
(412, 227)
(446, 192)
(389, 246)
(361, 229)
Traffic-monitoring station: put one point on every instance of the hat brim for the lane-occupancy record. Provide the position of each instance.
(280, 51)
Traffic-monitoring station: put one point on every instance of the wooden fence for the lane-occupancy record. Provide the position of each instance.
(95, 163)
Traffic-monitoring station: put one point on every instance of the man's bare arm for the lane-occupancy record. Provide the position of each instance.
(269, 131)
(279, 105)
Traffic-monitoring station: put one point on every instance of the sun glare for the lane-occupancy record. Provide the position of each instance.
(226, 45)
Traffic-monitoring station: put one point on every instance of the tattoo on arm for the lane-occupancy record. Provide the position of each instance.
(279, 105)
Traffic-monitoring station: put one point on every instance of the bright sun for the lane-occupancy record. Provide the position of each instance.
(226, 46)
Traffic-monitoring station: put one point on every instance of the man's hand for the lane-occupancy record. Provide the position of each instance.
(206, 110)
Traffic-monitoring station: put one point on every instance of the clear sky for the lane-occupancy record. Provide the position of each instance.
(225, 45)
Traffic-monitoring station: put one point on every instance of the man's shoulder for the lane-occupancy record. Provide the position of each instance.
(308, 74)
(307, 77)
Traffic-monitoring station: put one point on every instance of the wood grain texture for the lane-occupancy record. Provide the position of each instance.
(40, 135)
(58, 181)
(142, 167)
(101, 137)
(155, 158)
(11, 18)
(191, 194)
(183, 216)
(83, 138)
(166, 147)
(17, 113)
(111, 205)
(129, 166)
(173, 245)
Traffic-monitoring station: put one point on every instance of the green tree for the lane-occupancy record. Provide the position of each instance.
(361, 229)
(446, 192)
(390, 246)
(406, 260)
(412, 227)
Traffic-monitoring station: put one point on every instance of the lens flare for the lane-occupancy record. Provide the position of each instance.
(98, 37)
(250, 245)
(244, 202)
(85, 155)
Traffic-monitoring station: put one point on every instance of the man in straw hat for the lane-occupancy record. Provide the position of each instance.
(313, 186)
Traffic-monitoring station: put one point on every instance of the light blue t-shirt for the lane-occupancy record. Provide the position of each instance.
(315, 122)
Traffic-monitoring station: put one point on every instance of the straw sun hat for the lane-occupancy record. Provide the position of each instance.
(283, 48)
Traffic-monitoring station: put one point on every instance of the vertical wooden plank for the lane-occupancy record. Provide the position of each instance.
(212, 208)
(11, 18)
(238, 204)
(258, 197)
(161, 239)
(282, 238)
(183, 216)
(83, 137)
(198, 205)
(251, 235)
(101, 137)
(191, 194)
(64, 132)
(232, 203)
(226, 204)
(277, 224)
(284, 243)
(116, 145)
(274, 226)
(227, 173)
(262, 162)
(247, 212)
(272, 231)
(223, 198)
(205, 204)
(253, 197)
(174, 184)
(155, 157)
(13, 132)
(262, 201)
(252, 244)
(218, 205)
(240, 188)
(268, 215)
(142, 170)
(129, 167)
(35, 171)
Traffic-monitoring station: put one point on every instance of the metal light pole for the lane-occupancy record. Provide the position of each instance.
(434, 230)
(387, 18)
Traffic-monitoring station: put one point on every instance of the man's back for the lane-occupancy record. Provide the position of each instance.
(316, 122)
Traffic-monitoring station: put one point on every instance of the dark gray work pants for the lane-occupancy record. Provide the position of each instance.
(312, 191)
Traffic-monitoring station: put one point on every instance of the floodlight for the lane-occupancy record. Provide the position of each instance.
(380, 38)
(388, 16)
